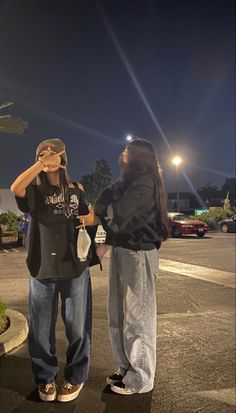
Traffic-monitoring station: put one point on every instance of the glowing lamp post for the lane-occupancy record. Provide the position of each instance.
(129, 138)
(177, 161)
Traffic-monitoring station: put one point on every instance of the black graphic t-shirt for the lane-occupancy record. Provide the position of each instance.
(52, 232)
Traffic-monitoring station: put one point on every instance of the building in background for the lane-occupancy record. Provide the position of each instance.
(187, 202)
(7, 202)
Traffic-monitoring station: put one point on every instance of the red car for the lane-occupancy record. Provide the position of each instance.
(181, 224)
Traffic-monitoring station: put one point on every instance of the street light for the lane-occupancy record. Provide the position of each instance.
(129, 138)
(177, 161)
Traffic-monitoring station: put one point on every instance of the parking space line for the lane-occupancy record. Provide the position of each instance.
(219, 277)
(224, 395)
(8, 250)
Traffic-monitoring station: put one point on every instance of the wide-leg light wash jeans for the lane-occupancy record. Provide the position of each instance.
(132, 315)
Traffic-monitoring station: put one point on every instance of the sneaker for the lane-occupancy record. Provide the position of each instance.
(68, 391)
(121, 388)
(114, 378)
(47, 392)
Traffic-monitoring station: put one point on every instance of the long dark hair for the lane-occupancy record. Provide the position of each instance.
(142, 159)
(64, 181)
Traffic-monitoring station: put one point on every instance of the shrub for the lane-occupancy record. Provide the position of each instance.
(9, 220)
(3, 317)
(213, 217)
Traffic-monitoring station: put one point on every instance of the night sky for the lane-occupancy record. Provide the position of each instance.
(91, 72)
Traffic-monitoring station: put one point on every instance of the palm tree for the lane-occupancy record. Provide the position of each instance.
(11, 124)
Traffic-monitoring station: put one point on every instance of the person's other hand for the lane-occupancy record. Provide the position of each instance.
(88, 220)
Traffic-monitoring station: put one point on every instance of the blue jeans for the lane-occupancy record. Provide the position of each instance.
(132, 315)
(76, 313)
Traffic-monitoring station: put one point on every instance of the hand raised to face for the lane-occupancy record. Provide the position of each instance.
(51, 160)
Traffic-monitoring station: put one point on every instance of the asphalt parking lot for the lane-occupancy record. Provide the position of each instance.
(195, 335)
(215, 250)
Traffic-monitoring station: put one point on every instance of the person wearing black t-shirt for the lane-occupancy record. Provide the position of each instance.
(53, 201)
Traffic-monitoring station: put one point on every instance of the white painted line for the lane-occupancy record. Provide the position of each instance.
(224, 395)
(14, 249)
(6, 251)
(202, 273)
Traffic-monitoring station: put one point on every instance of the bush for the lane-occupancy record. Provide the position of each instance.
(213, 217)
(9, 220)
(3, 317)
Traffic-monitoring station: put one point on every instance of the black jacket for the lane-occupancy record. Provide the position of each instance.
(129, 214)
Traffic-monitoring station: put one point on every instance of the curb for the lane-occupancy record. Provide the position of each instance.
(15, 334)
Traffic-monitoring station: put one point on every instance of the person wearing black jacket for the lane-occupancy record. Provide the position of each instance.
(133, 213)
(45, 191)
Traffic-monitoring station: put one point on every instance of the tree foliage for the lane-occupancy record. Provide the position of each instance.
(97, 181)
(9, 219)
(228, 189)
(209, 191)
(11, 124)
(213, 216)
(227, 205)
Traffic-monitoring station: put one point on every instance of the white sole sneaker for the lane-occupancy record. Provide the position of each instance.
(111, 381)
(69, 397)
(119, 390)
(47, 397)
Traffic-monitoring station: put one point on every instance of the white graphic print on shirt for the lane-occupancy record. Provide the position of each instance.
(58, 201)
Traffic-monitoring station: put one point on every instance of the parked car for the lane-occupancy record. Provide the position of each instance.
(100, 237)
(228, 224)
(181, 224)
(22, 229)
